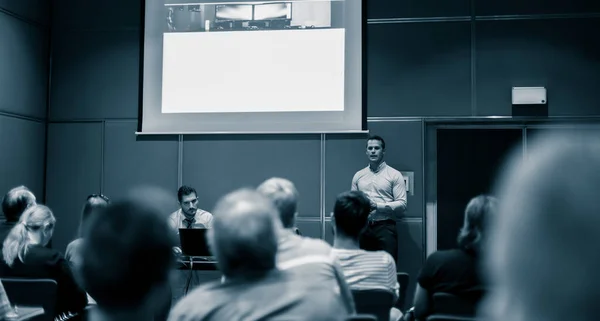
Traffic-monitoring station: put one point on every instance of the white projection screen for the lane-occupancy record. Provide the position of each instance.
(252, 67)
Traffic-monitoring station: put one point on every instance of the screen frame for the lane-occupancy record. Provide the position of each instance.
(364, 82)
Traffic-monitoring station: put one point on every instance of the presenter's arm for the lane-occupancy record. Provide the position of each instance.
(354, 186)
(399, 195)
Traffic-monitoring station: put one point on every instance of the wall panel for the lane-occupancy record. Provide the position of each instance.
(24, 67)
(131, 161)
(22, 162)
(217, 165)
(74, 170)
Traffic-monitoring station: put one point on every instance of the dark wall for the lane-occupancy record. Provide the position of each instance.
(23, 93)
(426, 59)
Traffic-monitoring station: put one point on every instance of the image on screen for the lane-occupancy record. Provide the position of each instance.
(233, 12)
(273, 11)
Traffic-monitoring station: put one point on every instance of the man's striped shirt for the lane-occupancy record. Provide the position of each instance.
(368, 269)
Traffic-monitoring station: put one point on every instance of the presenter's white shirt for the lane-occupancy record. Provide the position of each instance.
(202, 219)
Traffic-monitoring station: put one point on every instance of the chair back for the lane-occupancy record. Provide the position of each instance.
(403, 280)
(446, 303)
(375, 302)
(33, 292)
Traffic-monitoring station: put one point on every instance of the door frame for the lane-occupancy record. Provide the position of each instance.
(430, 127)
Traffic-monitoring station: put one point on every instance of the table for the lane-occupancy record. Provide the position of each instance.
(191, 273)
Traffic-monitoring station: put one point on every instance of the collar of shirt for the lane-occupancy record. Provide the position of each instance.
(379, 168)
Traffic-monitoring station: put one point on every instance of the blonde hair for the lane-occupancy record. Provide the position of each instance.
(17, 242)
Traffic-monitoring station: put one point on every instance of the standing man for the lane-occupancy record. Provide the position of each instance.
(385, 188)
(189, 215)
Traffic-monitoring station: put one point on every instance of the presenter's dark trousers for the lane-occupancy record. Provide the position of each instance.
(381, 236)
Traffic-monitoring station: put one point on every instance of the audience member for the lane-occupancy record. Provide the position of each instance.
(93, 203)
(304, 256)
(363, 269)
(456, 271)
(127, 259)
(24, 255)
(542, 253)
(244, 241)
(189, 215)
(14, 204)
(5, 306)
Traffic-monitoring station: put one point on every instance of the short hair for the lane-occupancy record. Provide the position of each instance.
(92, 203)
(351, 213)
(16, 201)
(477, 213)
(284, 195)
(184, 191)
(379, 138)
(126, 253)
(547, 227)
(243, 237)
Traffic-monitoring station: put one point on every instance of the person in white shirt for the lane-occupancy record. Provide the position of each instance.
(189, 215)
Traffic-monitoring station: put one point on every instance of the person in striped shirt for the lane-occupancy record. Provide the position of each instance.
(362, 269)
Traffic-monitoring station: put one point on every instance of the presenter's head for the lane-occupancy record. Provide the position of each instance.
(375, 149)
(284, 195)
(542, 257)
(188, 200)
(244, 235)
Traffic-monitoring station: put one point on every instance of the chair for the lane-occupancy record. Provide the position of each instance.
(361, 317)
(403, 279)
(33, 292)
(376, 302)
(449, 304)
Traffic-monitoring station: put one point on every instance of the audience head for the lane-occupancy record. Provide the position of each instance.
(542, 255)
(284, 195)
(188, 200)
(127, 255)
(93, 203)
(35, 227)
(243, 237)
(16, 201)
(477, 214)
(350, 214)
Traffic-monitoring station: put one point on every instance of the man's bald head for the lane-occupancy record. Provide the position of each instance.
(284, 195)
(543, 251)
(243, 236)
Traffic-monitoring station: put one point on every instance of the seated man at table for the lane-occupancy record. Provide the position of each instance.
(244, 240)
(127, 259)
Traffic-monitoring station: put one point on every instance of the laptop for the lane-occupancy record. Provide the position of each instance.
(193, 242)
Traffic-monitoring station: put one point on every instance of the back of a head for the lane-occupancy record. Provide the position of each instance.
(351, 212)
(16, 201)
(93, 203)
(127, 253)
(542, 254)
(477, 214)
(36, 218)
(243, 237)
(284, 195)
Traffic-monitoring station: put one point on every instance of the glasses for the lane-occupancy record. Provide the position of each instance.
(105, 198)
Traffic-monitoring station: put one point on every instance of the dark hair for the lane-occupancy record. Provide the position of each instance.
(92, 203)
(16, 201)
(351, 212)
(477, 215)
(126, 253)
(184, 191)
(379, 138)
